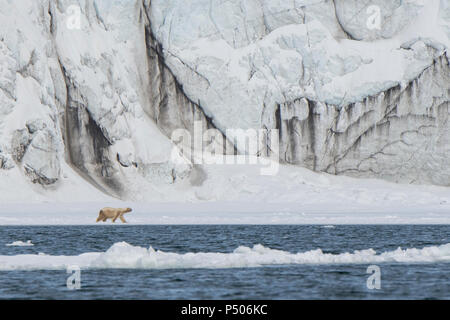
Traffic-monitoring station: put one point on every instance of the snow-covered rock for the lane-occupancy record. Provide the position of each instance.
(99, 86)
(75, 88)
(326, 75)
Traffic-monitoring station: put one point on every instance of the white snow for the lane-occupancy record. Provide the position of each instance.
(125, 256)
(238, 194)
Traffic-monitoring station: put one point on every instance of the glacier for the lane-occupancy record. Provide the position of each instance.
(92, 90)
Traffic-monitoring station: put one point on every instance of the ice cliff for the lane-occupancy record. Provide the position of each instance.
(95, 88)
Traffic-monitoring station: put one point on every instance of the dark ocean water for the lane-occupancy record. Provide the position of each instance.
(430, 280)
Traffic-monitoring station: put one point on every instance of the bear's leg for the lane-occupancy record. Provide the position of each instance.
(115, 218)
(122, 219)
(101, 216)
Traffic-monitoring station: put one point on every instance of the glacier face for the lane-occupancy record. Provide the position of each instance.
(98, 86)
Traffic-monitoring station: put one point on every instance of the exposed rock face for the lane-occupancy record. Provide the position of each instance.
(101, 85)
(41, 161)
(392, 135)
(169, 106)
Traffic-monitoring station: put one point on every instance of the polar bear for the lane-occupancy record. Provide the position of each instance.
(113, 213)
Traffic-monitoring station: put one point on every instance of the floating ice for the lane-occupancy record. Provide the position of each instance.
(20, 244)
(125, 256)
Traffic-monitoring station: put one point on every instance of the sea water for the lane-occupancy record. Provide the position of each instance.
(225, 262)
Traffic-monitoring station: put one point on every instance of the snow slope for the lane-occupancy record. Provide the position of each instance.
(238, 194)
